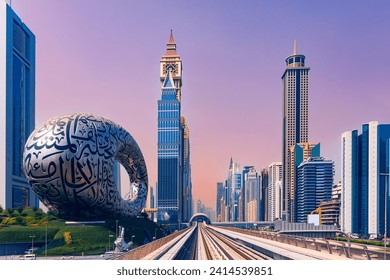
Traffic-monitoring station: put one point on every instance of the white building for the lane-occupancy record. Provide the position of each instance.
(275, 194)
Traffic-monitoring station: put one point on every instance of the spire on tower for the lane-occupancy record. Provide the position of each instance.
(171, 46)
(295, 47)
(231, 163)
(171, 40)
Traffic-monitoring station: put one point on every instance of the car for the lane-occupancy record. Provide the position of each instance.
(28, 257)
(107, 254)
(66, 257)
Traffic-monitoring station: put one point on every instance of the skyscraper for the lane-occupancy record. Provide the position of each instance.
(314, 185)
(251, 195)
(186, 172)
(295, 116)
(299, 153)
(274, 191)
(169, 153)
(220, 195)
(17, 107)
(234, 189)
(243, 196)
(364, 179)
(263, 208)
(174, 187)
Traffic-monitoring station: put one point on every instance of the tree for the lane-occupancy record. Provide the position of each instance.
(10, 211)
(20, 209)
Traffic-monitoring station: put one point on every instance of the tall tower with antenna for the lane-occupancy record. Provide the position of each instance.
(295, 118)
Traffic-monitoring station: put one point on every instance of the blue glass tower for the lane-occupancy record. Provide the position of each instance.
(314, 185)
(365, 177)
(174, 188)
(169, 156)
(17, 107)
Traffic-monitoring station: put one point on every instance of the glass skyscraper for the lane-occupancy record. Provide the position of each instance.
(314, 185)
(169, 156)
(364, 177)
(17, 107)
(295, 117)
(174, 187)
(299, 153)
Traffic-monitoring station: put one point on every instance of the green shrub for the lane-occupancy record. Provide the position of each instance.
(20, 209)
(28, 221)
(9, 221)
(20, 220)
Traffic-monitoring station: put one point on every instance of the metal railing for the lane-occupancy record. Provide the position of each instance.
(313, 244)
(140, 252)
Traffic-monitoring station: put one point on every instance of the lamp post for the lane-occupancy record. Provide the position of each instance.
(155, 233)
(132, 243)
(46, 241)
(32, 243)
(109, 241)
(385, 237)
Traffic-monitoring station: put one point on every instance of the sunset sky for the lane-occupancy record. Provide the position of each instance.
(103, 57)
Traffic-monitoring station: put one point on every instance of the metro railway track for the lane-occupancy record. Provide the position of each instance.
(217, 246)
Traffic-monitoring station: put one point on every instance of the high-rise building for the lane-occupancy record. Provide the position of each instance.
(295, 116)
(242, 196)
(314, 185)
(169, 137)
(251, 195)
(17, 107)
(186, 207)
(364, 179)
(299, 153)
(174, 187)
(275, 195)
(234, 190)
(220, 195)
(263, 208)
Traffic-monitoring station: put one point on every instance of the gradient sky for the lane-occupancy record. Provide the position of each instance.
(103, 57)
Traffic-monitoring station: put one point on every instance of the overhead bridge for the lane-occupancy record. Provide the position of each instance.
(199, 218)
(206, 242)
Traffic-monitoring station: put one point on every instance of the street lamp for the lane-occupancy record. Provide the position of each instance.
(46, 241)
(385, 237)
(132, 243)
(109, 241)
(32, 243)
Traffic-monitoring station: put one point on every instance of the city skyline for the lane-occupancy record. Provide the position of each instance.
(105, 53)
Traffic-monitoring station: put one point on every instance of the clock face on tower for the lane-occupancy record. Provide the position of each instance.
(170, 67)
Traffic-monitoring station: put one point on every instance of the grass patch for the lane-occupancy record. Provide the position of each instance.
(17, 225)
(365, 242)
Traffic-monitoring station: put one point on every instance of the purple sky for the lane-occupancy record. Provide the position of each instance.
(103, 57)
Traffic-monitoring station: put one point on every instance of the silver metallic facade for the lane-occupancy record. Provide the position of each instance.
(69, 163)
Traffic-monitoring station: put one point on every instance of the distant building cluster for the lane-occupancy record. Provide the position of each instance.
(289, 190)
(301, 185)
